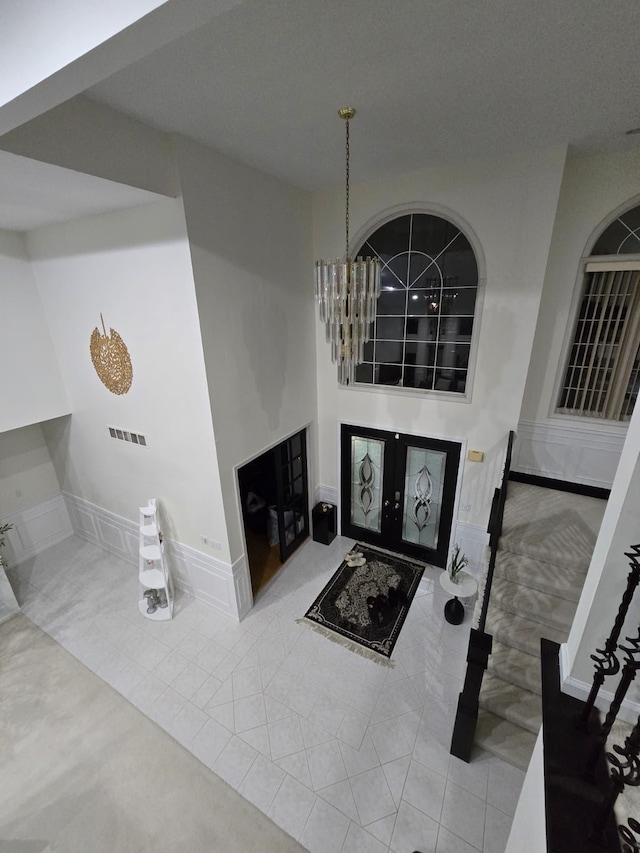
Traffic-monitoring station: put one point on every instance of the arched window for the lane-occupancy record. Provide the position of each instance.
(425, 316)
(602, 373)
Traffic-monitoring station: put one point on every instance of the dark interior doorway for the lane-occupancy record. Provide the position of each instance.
(275, 507)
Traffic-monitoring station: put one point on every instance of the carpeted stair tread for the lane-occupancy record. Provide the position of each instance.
(551, 526)
(520, 632)
(546, 577)
(524, 601)
(515, 666)
(544, 553)
(504, 699)
(502, 738)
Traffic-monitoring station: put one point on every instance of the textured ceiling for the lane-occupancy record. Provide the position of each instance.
(434, 82)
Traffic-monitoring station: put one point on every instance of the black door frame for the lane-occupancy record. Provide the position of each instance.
(395, 450)
(288, 463)
(285, 549)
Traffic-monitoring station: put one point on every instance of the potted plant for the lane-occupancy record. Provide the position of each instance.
(457, 564)
(4, 528)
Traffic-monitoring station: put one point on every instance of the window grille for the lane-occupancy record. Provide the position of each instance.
(422, 335)
(603, 372)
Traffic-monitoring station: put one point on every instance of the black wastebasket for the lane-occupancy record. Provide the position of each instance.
(324, 523)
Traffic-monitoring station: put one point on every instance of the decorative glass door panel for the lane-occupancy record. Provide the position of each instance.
(367, 468)
(423, 492)
(398, 491)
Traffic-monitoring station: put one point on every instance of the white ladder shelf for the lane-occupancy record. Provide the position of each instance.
(156, 587)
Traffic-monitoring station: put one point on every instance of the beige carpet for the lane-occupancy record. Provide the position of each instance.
(543, 556)
(83, 770)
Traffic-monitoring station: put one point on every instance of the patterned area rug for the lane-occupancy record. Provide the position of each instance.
(364, 607)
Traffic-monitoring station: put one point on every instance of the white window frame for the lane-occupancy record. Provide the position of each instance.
(365, 232)
(609, 399)
(613, 262)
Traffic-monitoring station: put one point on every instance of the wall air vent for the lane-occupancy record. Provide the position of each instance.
(127, 435)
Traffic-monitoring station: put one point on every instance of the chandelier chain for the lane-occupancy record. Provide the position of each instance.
(346, 254)
(346, 292)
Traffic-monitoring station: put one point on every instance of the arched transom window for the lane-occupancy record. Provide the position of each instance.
(425, 316)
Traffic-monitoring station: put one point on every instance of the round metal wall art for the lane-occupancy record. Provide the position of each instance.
(111, 360)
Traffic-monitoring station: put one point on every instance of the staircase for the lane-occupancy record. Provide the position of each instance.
(543, 556)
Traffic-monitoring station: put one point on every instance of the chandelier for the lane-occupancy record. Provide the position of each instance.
(346, 292)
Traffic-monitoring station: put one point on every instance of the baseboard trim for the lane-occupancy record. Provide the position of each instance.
(36, 528)
(629, 710)
(560, 485)
(220, 585)
(326, 494)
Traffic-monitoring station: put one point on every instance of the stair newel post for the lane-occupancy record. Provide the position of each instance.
(606, 662)
(629, 837)
(468, 701)
(629, 671)
(625, 765)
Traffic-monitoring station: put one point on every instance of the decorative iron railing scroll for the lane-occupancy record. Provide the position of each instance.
(606, 660)
(631, 667)
(630, 836)
(625, 771)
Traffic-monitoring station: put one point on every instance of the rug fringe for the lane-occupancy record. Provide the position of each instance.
(347, 644)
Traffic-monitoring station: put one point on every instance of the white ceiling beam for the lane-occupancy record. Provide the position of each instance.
(51, 50)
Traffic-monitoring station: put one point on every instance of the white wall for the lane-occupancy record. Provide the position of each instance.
(528, 832)
(593, 187)
(27, 475)
(54, 35)
(32, 387)
(607, 575)
(510, 206)
(250, 241)
(88, 137)
(134, 268)
(50, 52)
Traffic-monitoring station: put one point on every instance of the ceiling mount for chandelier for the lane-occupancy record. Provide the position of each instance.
(347, 292)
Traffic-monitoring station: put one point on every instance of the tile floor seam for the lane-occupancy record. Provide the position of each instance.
(400, 712)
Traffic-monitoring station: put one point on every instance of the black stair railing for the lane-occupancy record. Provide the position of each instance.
(605, 659)
(480, 642)
(584, 776)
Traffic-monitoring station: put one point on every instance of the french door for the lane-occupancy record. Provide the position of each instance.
(292, 491)
(398, 491)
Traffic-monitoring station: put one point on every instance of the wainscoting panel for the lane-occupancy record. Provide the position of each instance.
(565, 452)
(115, 534)
(36, 528)
(222, 586)
(113, 537)
(82, 521)
(473, 540)
(214, 582)
(242, 586)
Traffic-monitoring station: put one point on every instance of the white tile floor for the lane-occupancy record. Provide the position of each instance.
(344, 754)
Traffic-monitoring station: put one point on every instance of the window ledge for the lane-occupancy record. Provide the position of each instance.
(415, 393)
